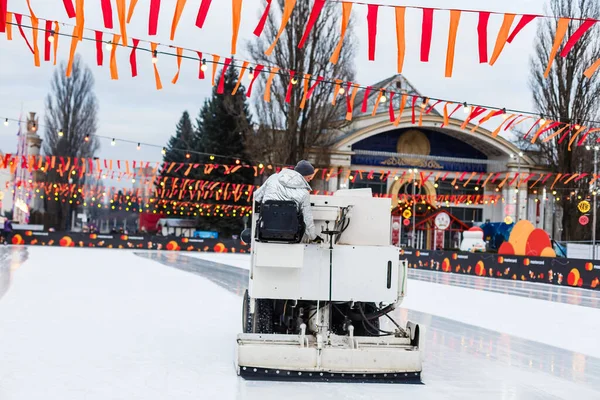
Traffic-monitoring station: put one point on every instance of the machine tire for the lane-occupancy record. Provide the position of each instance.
(262, 319)
(246, 317)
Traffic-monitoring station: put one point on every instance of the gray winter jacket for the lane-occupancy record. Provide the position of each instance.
(289, 185)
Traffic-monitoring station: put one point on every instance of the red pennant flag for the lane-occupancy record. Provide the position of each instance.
(107, 14)
(484, 18)
(257, 71)
(99, 53)
(391, 108)
(133, 58)
(314, 15)
(288, 95)
(372, 26)
(577, 35)
(427, 29)
(414, 102)
(69, 8)
(204, 6)
(19, 18)
(221, 87)
(313, 87)
(200, 71)
(47, 44)
(366, 99)
(525, 19)
(153, 18)
(3, 11)
(261, 24)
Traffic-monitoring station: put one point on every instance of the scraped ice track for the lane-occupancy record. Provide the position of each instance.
(114, 324)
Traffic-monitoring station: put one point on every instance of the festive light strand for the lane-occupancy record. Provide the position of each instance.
(291, 75)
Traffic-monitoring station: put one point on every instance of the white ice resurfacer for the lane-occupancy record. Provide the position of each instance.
(313, 311)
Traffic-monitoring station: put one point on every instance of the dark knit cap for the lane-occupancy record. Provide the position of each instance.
(304, 168)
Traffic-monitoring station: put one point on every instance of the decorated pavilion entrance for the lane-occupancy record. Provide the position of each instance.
(434, 228)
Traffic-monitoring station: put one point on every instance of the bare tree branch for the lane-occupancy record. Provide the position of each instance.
(286, 131)
(568, 96)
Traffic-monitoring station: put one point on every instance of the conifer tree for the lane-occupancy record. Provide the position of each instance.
(175, 152)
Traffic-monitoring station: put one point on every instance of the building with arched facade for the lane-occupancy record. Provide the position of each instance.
(452, 163)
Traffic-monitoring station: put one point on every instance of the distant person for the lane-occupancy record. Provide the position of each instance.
(292, 185)
(7, 231)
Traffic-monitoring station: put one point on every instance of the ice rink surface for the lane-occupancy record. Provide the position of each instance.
(117, 324)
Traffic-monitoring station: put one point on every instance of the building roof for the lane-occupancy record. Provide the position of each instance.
(398, 84)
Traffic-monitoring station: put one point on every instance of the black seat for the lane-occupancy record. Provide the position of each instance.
(280, 221)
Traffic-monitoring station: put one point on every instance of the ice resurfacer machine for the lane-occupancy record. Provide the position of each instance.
(321, 311)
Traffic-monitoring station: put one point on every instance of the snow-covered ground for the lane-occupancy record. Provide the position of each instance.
(116, 324)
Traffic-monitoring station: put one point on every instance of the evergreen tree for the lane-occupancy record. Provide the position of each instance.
(223, 124)
(176, 152)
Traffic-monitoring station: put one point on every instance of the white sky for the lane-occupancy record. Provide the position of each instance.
(131, 108)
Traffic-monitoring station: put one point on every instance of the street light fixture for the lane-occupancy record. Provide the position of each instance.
(594, 193)
(414, 197)
(518, 158)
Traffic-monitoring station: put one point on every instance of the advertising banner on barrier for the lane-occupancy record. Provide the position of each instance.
(550, 270)
(121, 241)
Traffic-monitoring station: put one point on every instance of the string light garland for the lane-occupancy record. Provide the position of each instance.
(291, 76)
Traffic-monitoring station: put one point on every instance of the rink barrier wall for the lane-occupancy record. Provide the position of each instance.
(556, 271)
(121, 241)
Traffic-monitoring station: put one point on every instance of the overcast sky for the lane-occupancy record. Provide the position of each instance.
(132, 109)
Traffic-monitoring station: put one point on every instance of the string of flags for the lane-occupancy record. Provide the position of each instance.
(507, 33)
(156, 172)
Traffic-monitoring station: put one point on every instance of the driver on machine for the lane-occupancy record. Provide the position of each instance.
(292, 185)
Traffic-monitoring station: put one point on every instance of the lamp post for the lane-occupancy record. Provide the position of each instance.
(594, 193)
(414, 197)
(518, 211)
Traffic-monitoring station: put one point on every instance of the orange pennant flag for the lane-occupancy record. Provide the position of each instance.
(79, 18)
(55, 48)
(236, 6)
(400, 36)
(8, 26)
(446, 118)
(377, 103)
(216, 59)
(454, 20)
(346, 11)
(555, 134)
(34, 26)
(131, 8)
(179, 54)
(502, 37)
(122, 20)
(583, 128)
(588, 72)
(353, 97)
(36, 49)
(561, 30)
(74, 42)
(540, 129)
(287, 13)
(267, 96)
(305, 94)
(402, 105)
(114, 73)
(240, 77)
(177, 16)
(336, 91)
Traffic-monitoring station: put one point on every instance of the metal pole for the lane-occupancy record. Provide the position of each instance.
(414, 232)
(594, 210)
(518, 213)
